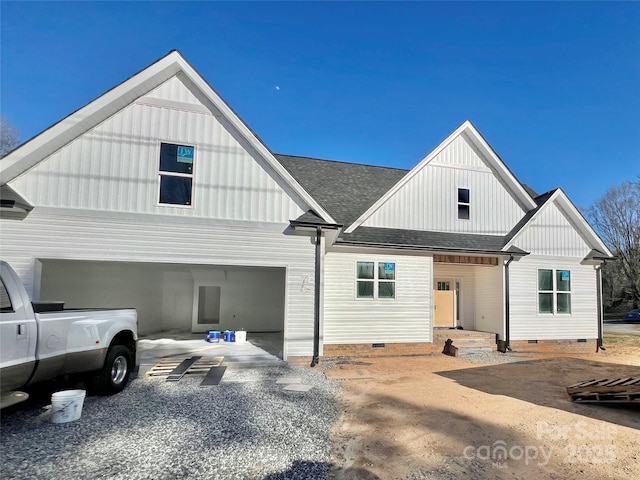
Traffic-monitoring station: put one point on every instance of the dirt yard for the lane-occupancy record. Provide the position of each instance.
(441, 417)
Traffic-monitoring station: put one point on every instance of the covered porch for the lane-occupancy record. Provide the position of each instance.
(468, 296)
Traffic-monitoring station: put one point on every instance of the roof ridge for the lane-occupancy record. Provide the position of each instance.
(341, 162)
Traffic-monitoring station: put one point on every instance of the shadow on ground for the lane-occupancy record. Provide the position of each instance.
(545, 382)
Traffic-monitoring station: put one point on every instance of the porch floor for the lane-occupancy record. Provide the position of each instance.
(466, 339)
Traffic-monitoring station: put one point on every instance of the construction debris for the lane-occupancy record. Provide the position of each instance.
(606, 390)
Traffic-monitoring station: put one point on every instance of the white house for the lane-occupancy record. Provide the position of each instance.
(156, 195)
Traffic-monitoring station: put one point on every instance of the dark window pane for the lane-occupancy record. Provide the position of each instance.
(176, 158)
(463, 212)
(463, 195)
(564, 303)
(386, 290)
(365, 269)
(386, 271)
(5, 301)
(365, 289)
(563, 280)
(175, 190)
(545, 302)
(545, 279)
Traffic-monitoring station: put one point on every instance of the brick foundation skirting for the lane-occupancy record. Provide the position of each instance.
(389, 349)
(555, 346)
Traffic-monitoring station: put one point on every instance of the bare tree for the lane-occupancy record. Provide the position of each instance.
(9, 137)
(616, 216)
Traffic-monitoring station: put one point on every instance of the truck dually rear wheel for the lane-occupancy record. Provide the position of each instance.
(116, 371)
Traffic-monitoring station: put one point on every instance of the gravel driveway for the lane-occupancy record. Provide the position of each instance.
(247, 427)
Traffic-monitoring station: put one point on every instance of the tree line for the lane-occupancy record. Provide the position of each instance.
(616, 217)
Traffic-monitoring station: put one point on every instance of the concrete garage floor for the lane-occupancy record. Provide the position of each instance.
(259, 349)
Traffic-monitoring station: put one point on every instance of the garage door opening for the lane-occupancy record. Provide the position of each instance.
(176, 301)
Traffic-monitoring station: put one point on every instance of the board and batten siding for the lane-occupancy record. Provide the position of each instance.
(349, 320)
(120, 237)
(490, 299)
(466, 274)
(551, 233)
(525, 321)
(114, 166)
(429, 200)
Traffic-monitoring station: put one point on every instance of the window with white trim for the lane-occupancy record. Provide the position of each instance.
(376, 280)
(176, 174)
(464, 204)
(554, 291)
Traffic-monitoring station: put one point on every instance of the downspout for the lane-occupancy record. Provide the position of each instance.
(600, 345)
(316, 306)
(507, 347)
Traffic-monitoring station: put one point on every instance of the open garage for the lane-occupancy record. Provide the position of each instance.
(173, 298)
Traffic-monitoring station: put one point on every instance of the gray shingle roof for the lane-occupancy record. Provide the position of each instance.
(463, 242)
(345, 190)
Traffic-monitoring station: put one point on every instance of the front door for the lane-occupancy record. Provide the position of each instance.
(444, 304)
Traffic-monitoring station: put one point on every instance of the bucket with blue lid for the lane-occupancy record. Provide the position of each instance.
(212, 336)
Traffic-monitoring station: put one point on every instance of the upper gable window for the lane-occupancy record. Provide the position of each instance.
(463, 204)
(176, 174)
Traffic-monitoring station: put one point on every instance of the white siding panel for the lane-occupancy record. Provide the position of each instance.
(466, 274)
(174, 90)
(527, 324)
(460, 153)
(78, 235)
(551, 233)
(114, 167)
(407, 318)
(429, 200)
(490, 299)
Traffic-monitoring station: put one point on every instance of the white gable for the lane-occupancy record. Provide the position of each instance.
(427, 197)
(558, 229)
(101, 155)
(428, 200)
(114, 165)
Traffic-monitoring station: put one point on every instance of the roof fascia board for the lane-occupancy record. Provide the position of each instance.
(59, 134)
(253, 139)
(501, 167)
(575, 217)
(581, 222)
(550, 200)
(468, 128)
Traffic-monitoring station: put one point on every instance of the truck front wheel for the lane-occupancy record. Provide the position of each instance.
(116, 371)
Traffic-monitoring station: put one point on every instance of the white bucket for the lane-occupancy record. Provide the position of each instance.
(241, 336)
(66, 406)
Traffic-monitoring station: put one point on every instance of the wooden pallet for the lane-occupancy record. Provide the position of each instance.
(167, 365)
(606, 390)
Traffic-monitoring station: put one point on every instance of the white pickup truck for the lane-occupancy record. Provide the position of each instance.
(42, 341)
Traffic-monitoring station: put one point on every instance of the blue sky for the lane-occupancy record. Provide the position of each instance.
(553, 87)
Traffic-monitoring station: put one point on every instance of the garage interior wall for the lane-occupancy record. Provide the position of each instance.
(252, 298)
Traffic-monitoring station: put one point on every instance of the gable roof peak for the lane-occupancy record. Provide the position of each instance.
(111, 102)
(472, 134)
